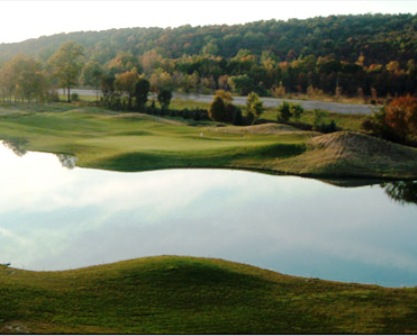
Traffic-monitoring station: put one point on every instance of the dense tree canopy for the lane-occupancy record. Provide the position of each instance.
(355, 55)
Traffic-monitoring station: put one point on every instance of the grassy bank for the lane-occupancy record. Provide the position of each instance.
(177, 295)
(137, 142)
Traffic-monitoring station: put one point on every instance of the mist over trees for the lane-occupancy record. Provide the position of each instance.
(369, 56)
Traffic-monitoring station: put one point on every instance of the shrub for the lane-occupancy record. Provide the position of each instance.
(284, 112)
(397, 121)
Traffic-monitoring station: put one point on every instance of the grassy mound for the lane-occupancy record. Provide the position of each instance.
(350, 154)
(177, 295)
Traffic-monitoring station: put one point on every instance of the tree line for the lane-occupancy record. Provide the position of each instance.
(369, 56)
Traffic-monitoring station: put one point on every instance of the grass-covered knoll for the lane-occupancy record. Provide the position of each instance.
(184, 295)
(350, 154)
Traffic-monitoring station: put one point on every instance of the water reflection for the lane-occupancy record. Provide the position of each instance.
(18, 146)
(53, 218)
(402, 191)
(67, 160)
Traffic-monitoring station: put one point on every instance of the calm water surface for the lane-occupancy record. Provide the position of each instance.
(54, 218)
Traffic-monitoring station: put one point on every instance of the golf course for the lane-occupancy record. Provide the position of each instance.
(187, 295)
(119, 141)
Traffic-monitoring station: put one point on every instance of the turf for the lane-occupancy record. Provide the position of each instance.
(185, 295)
(135, 142)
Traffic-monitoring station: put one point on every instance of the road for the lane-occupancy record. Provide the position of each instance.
(306, 104)
(269, 102)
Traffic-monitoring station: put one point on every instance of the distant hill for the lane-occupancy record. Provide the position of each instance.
(350, 53)
(380, 38)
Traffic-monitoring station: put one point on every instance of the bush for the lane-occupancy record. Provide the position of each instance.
(75, 96)
(284, 112)
(396, 121)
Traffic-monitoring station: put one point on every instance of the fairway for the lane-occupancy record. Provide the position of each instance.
(135, 142)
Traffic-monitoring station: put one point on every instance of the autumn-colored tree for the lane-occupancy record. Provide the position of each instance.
(23, 78)
(254, 107)
(401, 116)
(125, 83)
(66, 65)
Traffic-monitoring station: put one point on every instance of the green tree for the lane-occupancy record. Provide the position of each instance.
(217, 109)
(92, 73)
(164, 98)
(107, 88)
(142, 88)
(222, 109)
(319, 119)
(254, 107)
(296, 111)
(241, 84)
(284, 112)
(66, 64)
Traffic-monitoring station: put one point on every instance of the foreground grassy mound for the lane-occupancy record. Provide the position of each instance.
(349, 154)
(176, 295)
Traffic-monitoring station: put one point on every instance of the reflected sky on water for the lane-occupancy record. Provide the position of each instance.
(54, 218)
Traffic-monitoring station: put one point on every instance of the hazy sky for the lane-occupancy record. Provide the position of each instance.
(22, 20)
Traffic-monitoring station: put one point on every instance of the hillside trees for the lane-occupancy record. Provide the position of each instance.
(373, 57)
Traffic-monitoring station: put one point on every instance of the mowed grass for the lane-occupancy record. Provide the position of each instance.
(179, 295)
(135, 142)
(186, 295)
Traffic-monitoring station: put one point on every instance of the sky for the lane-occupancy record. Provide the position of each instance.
(25, 19)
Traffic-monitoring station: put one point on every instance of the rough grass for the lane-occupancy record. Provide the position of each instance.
(349, 154)
(185, 295)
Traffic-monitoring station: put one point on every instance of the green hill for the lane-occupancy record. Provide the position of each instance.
(184, 295)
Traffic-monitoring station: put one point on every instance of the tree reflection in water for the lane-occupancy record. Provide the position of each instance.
(401, 191)
(67, 160)
(16, 145)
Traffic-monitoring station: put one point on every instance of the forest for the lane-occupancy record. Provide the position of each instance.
(371, 56)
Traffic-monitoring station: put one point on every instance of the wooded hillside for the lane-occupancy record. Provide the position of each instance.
(365, 55)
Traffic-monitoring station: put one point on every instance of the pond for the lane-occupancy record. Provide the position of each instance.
(54, 216)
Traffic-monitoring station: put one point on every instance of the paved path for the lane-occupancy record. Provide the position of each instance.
(270, 102)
